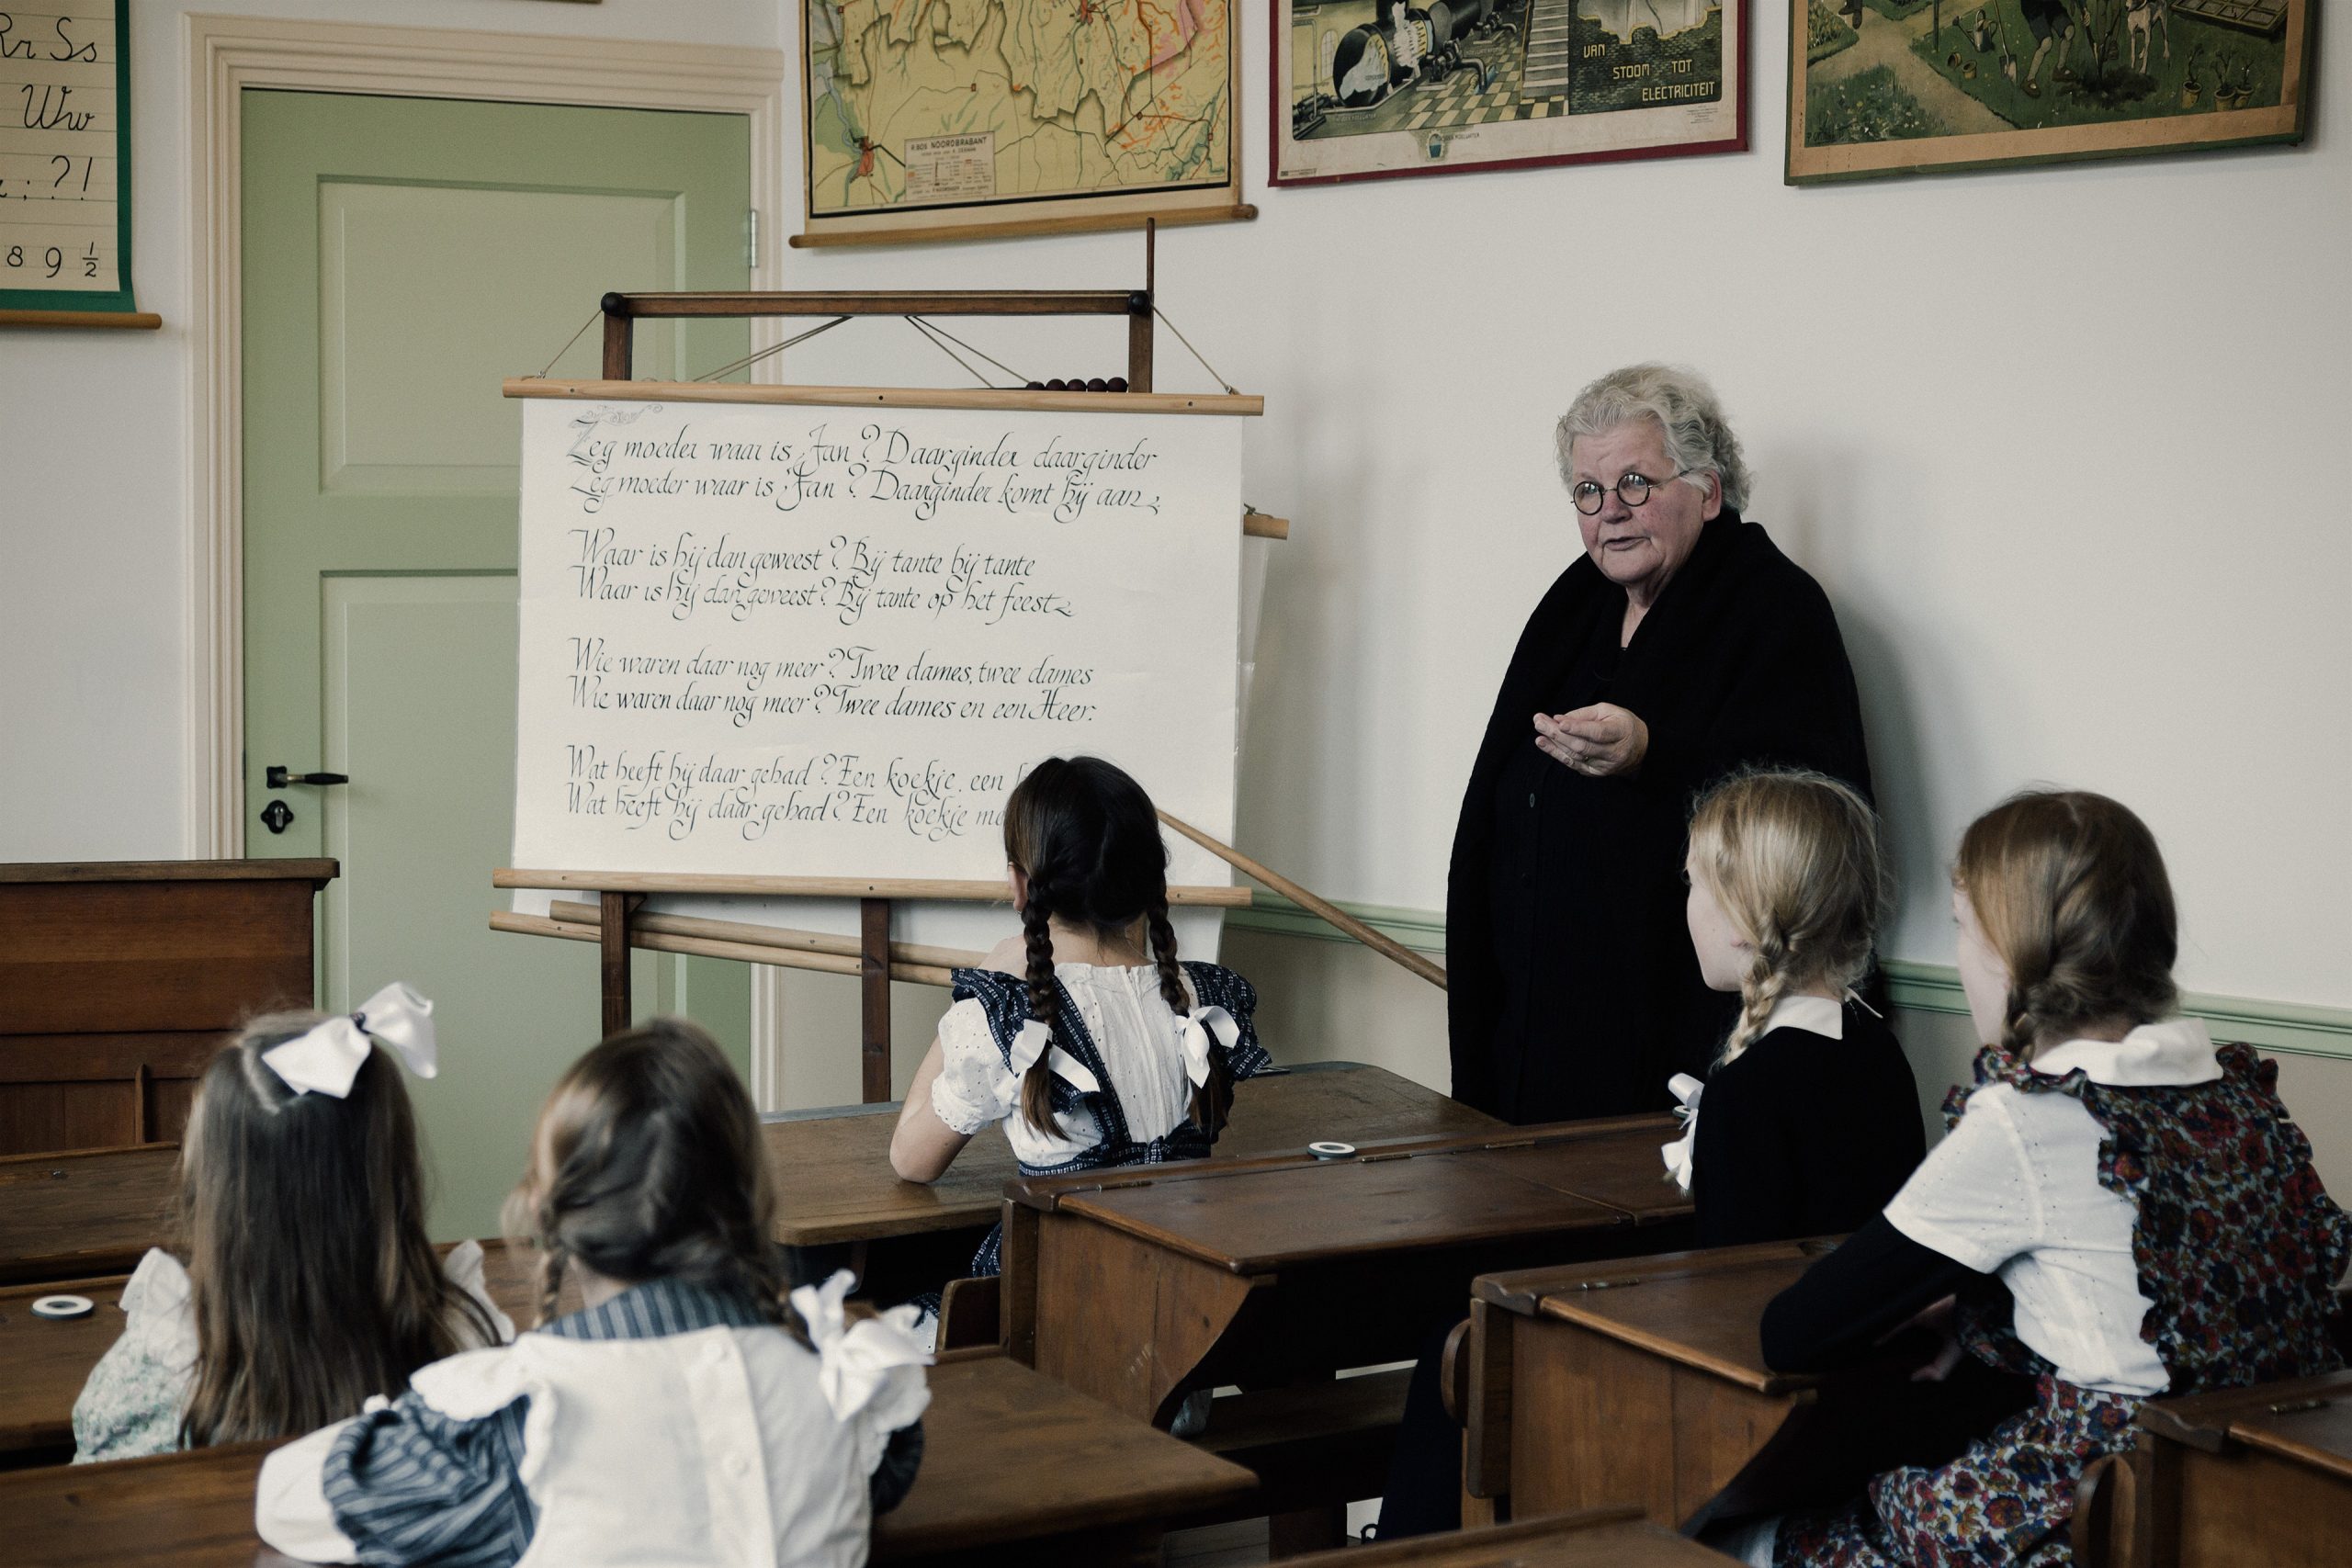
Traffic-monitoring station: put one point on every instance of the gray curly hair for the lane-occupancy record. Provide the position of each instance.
(1698, 438)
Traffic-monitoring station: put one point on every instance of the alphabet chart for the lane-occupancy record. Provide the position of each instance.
(64, 155)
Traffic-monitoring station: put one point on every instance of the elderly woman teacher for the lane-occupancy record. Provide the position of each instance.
(1681, 646)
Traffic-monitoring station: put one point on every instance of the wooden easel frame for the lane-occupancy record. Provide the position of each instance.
(619, 894)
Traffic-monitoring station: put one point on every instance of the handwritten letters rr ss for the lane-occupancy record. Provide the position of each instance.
(797, 640)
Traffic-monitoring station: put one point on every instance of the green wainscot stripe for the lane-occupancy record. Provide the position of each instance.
(2298, 1029)
(2295, 1028)
(1423, 931)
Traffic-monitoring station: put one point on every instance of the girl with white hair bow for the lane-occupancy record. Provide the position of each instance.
(300, 1283)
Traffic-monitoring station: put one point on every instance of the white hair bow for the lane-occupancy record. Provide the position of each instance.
(1199, 1026)
(876, 1363)
(327, 1059)
(1686, 1089)
(1034, 1041)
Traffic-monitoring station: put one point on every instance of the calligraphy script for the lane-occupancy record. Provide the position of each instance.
(772, 638)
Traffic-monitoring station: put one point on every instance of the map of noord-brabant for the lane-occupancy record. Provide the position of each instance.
(943, 103)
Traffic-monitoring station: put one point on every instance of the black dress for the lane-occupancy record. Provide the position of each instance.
(1573, 990)
(1805, 1135)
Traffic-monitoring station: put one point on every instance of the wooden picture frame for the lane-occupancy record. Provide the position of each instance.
(940, 172)
(1881, 87)
(1378, 89)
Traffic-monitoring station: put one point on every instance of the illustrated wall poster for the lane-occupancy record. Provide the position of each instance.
(65, 157)
(1368, 88)
(941, 122)
(1916, 86)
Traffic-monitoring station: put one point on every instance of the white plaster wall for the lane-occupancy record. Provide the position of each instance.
(2060, 442)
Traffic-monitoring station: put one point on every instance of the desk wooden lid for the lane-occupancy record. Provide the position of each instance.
(1010, 1454)
(2308, 1421)
(1252, 1219)
(1698, 1309)
(91, 1212)
(835, 1183)
(289, 869)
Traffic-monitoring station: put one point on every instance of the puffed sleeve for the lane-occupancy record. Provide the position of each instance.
(871, 1372)
(439, 1475)
(1974, 1198)
(290, 1508)
(1217, 989)
(133, 1400)
(974, 1088)
(463, 1265)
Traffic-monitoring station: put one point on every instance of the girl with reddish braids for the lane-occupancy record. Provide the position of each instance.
(686, 1414)
(2121, 1210)
(1084, 1035)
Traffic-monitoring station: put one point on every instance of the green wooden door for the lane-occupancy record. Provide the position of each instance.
(402, 255)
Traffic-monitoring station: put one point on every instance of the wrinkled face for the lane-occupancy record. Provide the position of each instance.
(1723, 953)
(1982, 975)
(1638, 547)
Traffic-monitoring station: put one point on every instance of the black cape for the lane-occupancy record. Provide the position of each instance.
(1572, 990)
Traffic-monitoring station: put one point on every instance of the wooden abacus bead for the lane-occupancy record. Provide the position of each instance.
(1058, 385)
(1096, 384)
(1118, 384)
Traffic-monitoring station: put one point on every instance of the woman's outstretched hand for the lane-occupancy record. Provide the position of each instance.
(1597, 742)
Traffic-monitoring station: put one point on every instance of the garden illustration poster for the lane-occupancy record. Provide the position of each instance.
(1901, 87)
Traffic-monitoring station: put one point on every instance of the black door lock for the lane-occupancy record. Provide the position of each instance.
(277, 777)
(278, 816)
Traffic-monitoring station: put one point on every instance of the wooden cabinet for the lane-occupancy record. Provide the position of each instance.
(120, 979)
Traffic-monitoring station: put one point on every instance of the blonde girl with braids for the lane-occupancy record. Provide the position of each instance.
(1085, 1036)
(686, 1414)
(1812, 1119)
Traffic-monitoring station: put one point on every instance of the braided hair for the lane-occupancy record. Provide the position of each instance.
(1087, 838)
(1793, 858)
(647, 1164)
(2074, 898)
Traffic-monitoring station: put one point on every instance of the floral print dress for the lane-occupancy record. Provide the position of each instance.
(2235, 1243)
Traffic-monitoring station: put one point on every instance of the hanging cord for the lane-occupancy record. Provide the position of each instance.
(1230, 389)
(566, 347)
(759, 353)
(932, 326)
(927, 331)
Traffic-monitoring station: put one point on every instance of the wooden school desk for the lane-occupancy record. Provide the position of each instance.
(836, 1189)
(1643, 1382)
(45, 1362)
(1016, 1469)
(119, 980)
(1597, 1537)
(69, 1216)
(2257, 1475)
(1639, 1382)
(1138, 1285)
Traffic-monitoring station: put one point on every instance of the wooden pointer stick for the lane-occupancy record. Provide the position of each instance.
(1331, 913)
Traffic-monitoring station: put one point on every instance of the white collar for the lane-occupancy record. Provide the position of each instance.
(1815, 1015)
(2177, 1051)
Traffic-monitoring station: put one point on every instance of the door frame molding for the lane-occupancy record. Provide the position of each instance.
(227, 54)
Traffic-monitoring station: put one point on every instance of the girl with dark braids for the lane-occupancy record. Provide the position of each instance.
(1083, 1035)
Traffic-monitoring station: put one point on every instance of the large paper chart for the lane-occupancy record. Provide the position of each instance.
(784, 639)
